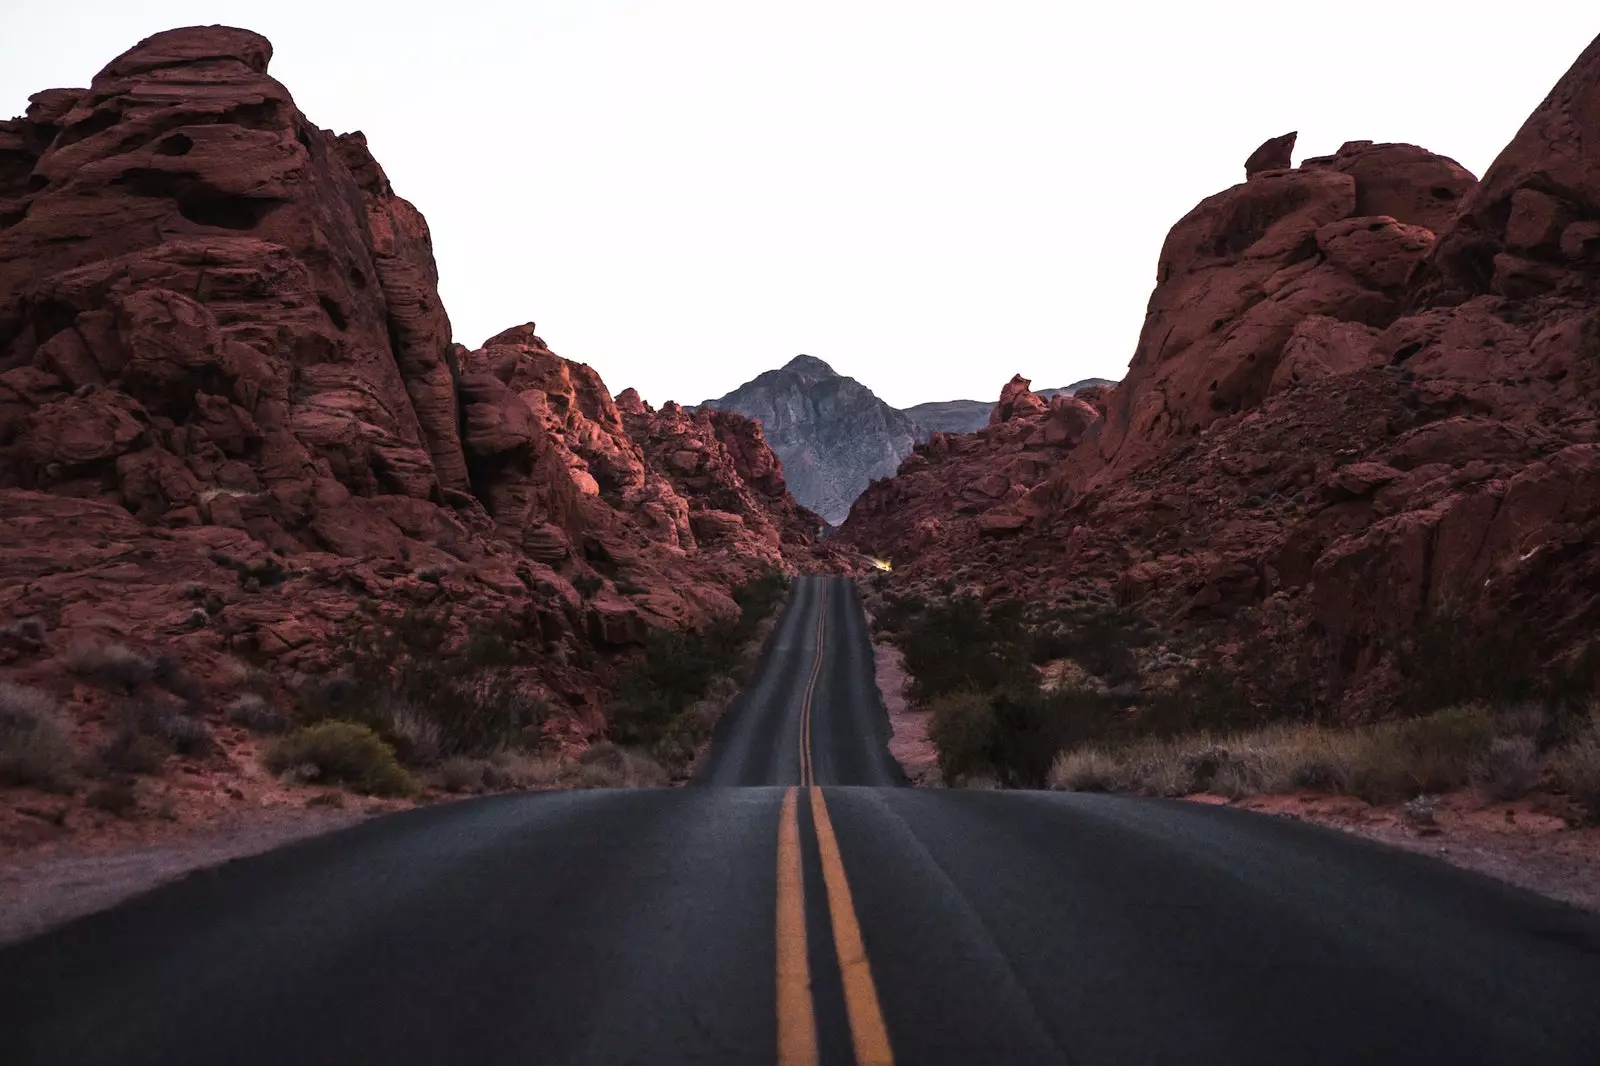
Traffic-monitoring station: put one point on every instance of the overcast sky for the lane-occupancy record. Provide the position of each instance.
(931, 196)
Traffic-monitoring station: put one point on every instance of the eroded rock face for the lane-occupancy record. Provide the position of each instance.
(221, 339)
(1365, 395)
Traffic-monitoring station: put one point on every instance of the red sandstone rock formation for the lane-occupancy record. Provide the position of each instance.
(1366, 390)
(221, 343)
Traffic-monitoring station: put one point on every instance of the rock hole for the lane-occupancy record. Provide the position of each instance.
(197, 201)
(358, 279)
(1406, 352)
(95, 123)
(334, 312)
(177, 144)
(1439, 192)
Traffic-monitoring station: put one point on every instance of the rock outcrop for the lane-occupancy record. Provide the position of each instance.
(223, 354)
(1364, 401)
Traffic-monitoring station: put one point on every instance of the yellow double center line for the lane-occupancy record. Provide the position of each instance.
(807, 777)
(797, 1020)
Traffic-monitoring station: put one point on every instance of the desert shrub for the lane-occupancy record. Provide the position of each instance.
(114, 666)
(170, 673)
(461, 774)
(1454, 657)
(35, 744)
(1010, 736)
(1510, 769)
(610, 766)
(1087, 770)
(955, 645)
(427, 690)
(113, 797)
(1431, 754)
(254, 713)
(186, 734)
(342, 752)
(660, 699)
(1577, 768)
(130, 751)
(1101, 638)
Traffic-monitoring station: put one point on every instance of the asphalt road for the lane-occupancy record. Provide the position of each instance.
(852, 922)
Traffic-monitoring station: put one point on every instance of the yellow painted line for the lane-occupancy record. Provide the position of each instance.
(867, 1031)
(797, 1025)
(807, 778)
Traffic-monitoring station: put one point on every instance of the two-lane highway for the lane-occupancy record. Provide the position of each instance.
(812, 714)
(847, 922)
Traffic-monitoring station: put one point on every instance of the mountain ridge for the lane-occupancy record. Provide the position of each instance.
(835, 436)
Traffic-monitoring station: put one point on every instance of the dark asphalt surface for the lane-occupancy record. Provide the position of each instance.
(639, 927)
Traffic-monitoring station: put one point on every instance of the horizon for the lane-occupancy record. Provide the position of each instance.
(918, 196)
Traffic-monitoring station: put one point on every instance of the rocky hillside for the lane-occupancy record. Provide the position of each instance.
(833, 435)
(836, 437)
(969, 416)
(1356, 458)
(234, 426)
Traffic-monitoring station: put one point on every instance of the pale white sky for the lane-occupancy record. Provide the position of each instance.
(931, 196)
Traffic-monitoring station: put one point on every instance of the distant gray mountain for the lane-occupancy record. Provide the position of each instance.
(835, 436)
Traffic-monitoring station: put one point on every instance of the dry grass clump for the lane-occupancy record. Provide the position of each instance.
(114, 666)
(608, 766)
(1383, 763)
(1511, 768)
(505, 770)
(35, 743)
(254, 713)
(1577, 767)
(343, 753)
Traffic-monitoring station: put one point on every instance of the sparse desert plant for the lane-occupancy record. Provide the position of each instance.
(517, 769)
(114, 666)
(1087, 770)
(186, 734)
(254, 713)
(35, 744)
(113, 797)
(341, 752)
(961, 729)
(606, 765)
(132, 752)
(462, 774)
(1510, 769)
(1577, 769)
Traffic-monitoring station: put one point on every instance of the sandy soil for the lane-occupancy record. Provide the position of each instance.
(908, 742)
(1535, 843)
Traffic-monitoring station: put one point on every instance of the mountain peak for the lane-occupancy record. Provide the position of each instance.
(810, 367)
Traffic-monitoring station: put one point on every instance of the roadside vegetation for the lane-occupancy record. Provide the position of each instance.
(668, 701)
(1091, 697)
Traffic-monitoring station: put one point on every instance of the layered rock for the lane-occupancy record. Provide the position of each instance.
(222, 351)
(721, 462)
(1364, 399)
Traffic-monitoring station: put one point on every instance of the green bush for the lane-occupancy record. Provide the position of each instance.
(657, 698)
(955, 645)
(342, 752)
(1012, 737)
